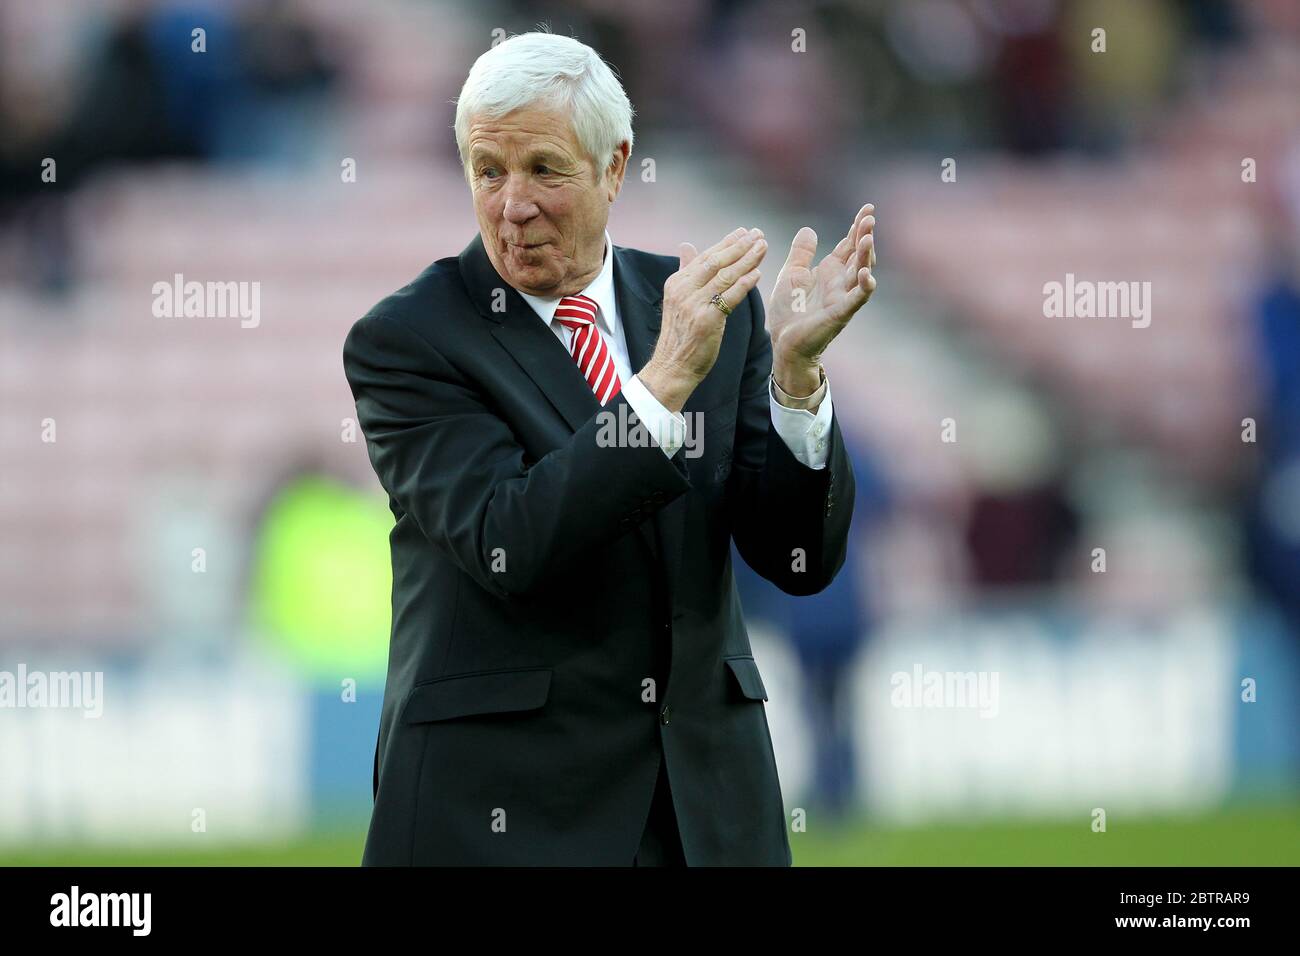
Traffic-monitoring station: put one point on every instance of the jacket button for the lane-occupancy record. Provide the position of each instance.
(663, 715)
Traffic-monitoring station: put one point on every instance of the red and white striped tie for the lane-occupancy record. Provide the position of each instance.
(587, 345)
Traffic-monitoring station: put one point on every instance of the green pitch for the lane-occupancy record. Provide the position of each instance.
(1267, 835)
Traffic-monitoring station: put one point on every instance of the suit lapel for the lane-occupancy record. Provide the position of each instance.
(541, 356)
(534, 347)
(638, 308)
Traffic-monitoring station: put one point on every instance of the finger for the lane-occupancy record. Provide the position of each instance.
(729, 239)
(802, 249)
(842, 249)
(861, 224)
(849, 243)
(862, 257)
(710, 257)
(691, 253)
(735, 294)
(706, 268)
(687, 254)
(866, 283)
(728, 275)
(859, 292)
(865, 215)
(865, 228)
(868, 228)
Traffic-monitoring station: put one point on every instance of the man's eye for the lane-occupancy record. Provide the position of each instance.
(488, 172)
(543, 170)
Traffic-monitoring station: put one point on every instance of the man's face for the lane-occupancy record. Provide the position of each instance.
(541, 205)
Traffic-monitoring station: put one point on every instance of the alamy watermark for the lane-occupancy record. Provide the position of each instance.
(1085, 299)
(625, 430)
(179, 299)
(919, 688)
(128, 910)
(53, 690)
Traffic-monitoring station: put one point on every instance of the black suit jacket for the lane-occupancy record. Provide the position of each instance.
(564, 612)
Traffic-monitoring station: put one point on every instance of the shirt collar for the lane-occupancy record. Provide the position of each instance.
(601, 290)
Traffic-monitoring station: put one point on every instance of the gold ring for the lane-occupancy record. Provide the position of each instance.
(717, 300)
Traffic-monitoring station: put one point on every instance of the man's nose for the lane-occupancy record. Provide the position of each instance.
(519, 204)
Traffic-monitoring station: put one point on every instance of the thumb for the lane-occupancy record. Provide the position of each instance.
(687, 253)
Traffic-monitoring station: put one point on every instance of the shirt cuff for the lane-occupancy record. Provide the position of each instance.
(667, 429)
(806, 434)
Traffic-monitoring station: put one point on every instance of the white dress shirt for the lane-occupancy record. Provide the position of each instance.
(805, 433)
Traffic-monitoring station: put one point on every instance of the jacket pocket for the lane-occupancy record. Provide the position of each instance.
(745, 671)
(486, 692)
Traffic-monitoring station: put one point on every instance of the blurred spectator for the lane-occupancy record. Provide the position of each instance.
(289, 70)
(1020, 524)
(1020, 538)
(1032, 80)
(1121, 89)
(252, 91)
(1274, 525)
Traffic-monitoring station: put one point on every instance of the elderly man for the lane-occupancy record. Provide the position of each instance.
(570, 434)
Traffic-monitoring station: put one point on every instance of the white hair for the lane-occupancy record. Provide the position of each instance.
(552, 71)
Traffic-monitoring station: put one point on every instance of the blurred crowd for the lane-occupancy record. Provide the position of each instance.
(147, 86)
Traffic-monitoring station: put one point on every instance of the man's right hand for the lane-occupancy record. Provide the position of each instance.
(691, 331)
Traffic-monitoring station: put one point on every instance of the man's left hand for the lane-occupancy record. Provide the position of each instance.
(810, 306)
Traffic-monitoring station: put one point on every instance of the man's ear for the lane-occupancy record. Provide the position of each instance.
(617, 169)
